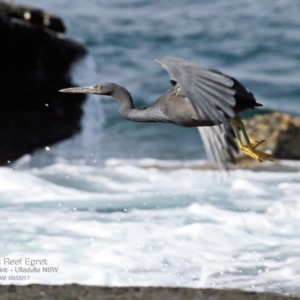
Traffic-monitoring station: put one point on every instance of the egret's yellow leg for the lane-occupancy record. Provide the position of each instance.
(249, 148)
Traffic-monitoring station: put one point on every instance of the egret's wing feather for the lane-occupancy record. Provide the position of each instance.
(202, 85)
(218, 145)
(212, 95)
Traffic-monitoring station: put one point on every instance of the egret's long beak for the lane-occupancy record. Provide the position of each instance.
(82, 90)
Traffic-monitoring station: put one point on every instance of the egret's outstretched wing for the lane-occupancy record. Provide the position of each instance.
(212, 95)
(208, 90)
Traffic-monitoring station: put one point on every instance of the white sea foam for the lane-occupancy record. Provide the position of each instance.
(154, 223)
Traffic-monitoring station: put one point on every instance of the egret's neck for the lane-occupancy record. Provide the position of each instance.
(127, 110)
(124, 98)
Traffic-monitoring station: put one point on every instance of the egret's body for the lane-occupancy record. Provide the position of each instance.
(200, 97)
(163, 110)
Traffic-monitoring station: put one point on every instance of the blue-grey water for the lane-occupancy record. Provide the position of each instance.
(124, 203)
(255, 41)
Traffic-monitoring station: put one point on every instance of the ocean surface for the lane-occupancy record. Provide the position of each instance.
(128, 204)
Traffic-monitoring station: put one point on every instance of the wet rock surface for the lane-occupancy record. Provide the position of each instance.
(280, 131)
(79, 292)
(32, 15)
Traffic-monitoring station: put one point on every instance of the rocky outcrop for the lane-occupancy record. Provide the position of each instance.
(32, 15)
(81, 292)
(35, 62)
(280, 131)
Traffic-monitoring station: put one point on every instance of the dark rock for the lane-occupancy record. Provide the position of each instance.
(35, 63)
(32, 15)
(81, 292)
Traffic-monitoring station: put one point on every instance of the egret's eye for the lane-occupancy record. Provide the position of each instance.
(98, 87)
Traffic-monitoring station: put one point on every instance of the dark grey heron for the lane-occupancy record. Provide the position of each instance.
(200, 97)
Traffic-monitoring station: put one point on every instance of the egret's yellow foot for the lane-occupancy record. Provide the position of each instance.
(257, 143)
(249, 148)
(256, 154)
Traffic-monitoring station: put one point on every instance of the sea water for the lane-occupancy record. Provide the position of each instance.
(131, 204)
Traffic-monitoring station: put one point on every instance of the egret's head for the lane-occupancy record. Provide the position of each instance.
(106, 88)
